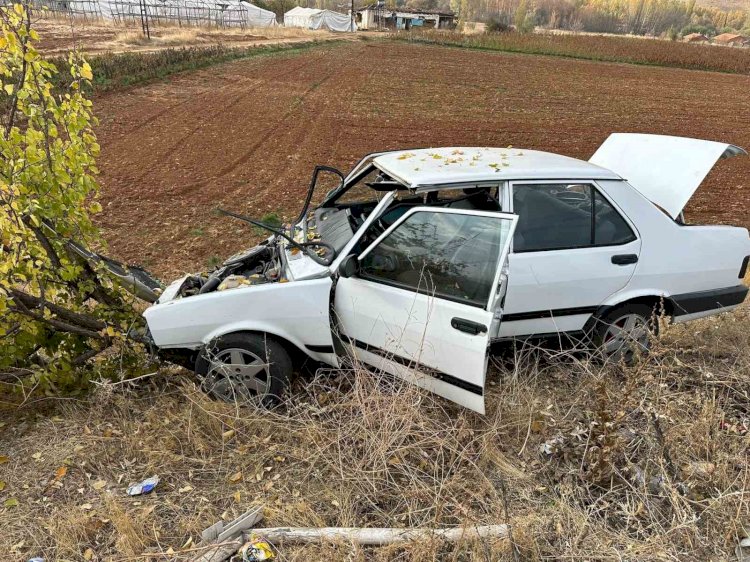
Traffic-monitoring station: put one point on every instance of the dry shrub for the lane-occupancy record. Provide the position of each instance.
(584, 461)
(637, 50)
(167, 37)
(172, 36)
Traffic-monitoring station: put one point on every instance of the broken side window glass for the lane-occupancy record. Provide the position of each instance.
(449, 255)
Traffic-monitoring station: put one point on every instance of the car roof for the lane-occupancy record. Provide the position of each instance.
(428, 168)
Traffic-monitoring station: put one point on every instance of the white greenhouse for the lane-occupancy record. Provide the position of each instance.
(220, 13)
(311, 18)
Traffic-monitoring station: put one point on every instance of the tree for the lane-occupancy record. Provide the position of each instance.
(57, 310)
(519, 16)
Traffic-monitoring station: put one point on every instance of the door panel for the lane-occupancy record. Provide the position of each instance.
(422, 306)
(557, 291)
(410, 335)
(573, 250)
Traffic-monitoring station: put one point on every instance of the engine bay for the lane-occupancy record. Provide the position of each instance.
(256, 266)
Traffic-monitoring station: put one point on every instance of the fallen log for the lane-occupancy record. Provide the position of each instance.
(375, 536)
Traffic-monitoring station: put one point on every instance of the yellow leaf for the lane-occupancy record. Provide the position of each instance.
(227, 435)
(236, 477)
(99, 484)
(61, 472)
(11, 502)
(8, 89)
(110, 331)
(2, 485)
(237, 496)
(36, 456)
(3, 459)
(89, 554)
(86, 71)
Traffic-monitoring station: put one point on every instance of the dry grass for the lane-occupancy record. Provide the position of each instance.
(59, 35)
(167, 36)
(170, 37)
(585, 462)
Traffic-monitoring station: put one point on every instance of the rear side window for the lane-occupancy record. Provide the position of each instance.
(610, 229)
(448, 255)
(563, 216)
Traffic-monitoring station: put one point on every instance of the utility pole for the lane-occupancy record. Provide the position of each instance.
(352, 16)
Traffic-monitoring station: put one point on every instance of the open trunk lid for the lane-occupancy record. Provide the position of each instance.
(666, 170)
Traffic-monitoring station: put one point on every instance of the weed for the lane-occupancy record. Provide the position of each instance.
(584, 461)
(596, 47)
(272, 219)
(214, 261)
(114, 71)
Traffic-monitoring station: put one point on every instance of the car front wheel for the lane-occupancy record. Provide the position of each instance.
(244, 367)
(624, 333)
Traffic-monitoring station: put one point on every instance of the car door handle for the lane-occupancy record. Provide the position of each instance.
(468, 326)
(624, 259)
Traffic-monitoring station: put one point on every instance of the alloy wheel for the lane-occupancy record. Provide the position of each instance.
(625, 337)
(237, 374)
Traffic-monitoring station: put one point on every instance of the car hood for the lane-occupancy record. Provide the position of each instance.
(666, 170)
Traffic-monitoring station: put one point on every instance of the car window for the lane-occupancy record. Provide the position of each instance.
(449, 255)
(472, 198)
(552, 216)
(563, 216)
(609, 227)
(361, 192)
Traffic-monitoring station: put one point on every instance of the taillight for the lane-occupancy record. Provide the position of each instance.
(743, 267)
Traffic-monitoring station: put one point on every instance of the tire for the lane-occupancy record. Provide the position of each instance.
(244, 368)
(625, 332)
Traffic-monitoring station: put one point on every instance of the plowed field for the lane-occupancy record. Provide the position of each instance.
(246, 135)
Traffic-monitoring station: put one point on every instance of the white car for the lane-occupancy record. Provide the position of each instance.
(420, 259)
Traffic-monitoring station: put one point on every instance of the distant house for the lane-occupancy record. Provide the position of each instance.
(695, 38)
(377, 16)
(733, 39)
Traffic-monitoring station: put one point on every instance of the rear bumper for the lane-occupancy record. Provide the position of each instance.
(703, 303)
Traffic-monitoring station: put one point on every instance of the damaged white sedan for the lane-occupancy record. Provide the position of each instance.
(420, 259)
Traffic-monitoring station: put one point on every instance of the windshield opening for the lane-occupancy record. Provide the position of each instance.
(367, 186)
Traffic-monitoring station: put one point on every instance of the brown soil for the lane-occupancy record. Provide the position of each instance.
(246, 135)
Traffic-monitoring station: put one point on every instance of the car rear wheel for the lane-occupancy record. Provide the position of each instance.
(244, 368)
(624, 333)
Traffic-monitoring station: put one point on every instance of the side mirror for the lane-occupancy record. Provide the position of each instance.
(349, 267)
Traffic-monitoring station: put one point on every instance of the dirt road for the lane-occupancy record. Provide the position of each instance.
(246, 135)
